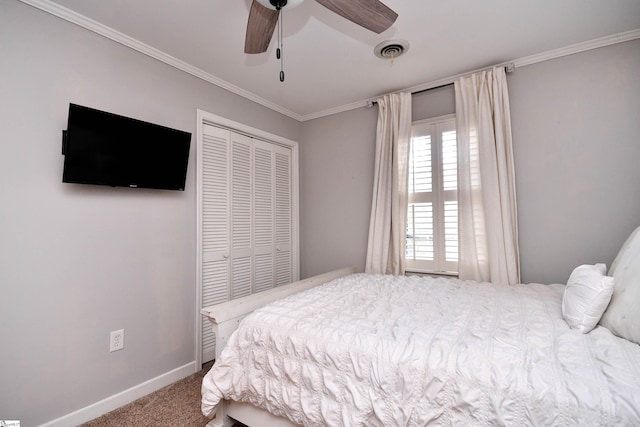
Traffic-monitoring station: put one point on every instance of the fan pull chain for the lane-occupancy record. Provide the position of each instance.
(279, 49)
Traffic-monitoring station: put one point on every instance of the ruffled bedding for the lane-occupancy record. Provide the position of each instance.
(374, 350)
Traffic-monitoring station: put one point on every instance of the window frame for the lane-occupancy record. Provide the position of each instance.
(438, 196)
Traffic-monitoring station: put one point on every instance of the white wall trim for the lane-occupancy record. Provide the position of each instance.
(434, 120)
(578, 47)
(91, 25)
(108, 32)
(528, 60)
(521, 62)
(97, 409)
(219, 121)
(335, 110)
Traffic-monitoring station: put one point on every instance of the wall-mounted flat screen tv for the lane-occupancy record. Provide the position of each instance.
(102, 148)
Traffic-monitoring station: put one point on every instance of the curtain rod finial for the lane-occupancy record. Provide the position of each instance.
(510, 68)
(370, 103)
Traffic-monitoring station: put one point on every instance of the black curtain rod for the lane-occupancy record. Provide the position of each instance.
(431, 88)
(509, 68)
(372, 103)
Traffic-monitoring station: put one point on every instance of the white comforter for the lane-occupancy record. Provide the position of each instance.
(370, 350)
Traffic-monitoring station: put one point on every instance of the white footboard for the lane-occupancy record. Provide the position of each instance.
(226, 317)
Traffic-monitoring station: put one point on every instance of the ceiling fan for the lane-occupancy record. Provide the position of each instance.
(263, 16)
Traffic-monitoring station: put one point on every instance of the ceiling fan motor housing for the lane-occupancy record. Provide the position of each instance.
(278, 4)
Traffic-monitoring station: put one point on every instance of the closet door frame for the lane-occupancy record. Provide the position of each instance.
(206, 118)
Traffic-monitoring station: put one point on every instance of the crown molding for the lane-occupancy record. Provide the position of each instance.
(578, 47)
(521, 62)
(98, 28)
(334, 110)
(108, 32)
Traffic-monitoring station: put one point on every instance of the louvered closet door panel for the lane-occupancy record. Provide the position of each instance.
(245, 219)
(242, 216)
(264, 216)
(215, 227)
(283, 235)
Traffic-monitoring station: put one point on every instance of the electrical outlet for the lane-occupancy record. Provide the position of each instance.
(117, 340)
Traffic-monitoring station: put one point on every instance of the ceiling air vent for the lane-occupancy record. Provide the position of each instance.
(391, 49)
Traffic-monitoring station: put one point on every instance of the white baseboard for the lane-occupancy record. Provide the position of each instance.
(94, 410)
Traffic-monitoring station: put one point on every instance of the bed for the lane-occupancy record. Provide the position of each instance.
(354, 349)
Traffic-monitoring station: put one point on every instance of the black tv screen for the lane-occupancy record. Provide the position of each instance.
(102, 148)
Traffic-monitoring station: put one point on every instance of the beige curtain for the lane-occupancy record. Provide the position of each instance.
(488, 231)
(388, 222)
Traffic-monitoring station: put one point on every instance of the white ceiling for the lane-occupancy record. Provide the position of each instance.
(329, 61)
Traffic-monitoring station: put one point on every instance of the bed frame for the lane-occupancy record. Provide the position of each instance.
(226, 317)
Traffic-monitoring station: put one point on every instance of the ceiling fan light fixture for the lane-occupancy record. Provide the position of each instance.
(391, 49)
(274, 4)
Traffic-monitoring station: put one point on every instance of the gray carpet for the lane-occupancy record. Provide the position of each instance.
(176, 405)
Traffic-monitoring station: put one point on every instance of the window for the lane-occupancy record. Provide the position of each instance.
(432, 217)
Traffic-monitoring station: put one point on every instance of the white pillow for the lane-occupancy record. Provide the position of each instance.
(586, 296)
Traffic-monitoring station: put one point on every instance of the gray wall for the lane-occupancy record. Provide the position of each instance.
(77, 262)
(576, 134)
(576, 140)
(336, 178)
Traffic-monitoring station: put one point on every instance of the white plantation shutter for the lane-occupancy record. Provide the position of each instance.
(451, 233)
(450, 194)
(420, 233)
(420, 168)
(419, 245)
(432, 221)
(245, 187)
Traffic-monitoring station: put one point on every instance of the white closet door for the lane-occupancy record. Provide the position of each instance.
(245, 218)
(215, 217)
(241, 216)
(264, 216)
(283, 218)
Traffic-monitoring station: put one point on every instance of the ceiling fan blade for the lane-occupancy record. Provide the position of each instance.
(370, 14)
(260, 27)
